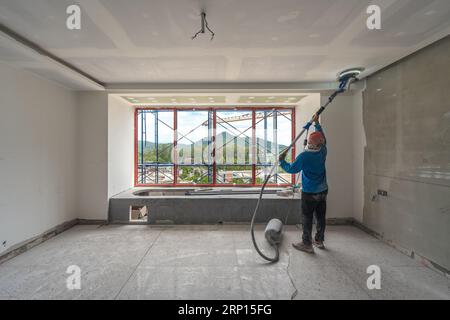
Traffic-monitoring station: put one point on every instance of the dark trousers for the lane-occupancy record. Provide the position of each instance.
(314, 203)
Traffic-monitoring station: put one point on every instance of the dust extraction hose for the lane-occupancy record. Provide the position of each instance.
(346, 79)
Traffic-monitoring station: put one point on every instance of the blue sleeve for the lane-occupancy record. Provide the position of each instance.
(318, 127)
(324, 151)
(294, 167)
(307, 125)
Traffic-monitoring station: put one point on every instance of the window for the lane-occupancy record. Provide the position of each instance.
(211, 147)
(233, 147)
(155, 146)
(194, 147)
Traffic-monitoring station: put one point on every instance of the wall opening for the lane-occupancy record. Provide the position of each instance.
(138, 214)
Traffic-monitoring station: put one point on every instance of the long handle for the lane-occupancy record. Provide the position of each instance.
(343, 86)
(318, 113)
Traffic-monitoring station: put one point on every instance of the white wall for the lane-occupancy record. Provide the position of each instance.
(344, 167)
(37, 156)
(92, 166)
(120, 145)
(303, 113)
(343, 127)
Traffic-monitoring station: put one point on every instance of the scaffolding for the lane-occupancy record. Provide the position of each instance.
(158, 172)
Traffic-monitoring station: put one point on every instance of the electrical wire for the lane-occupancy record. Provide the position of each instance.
(204, 24)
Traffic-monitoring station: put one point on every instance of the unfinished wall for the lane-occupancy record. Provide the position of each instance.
(37, 156)
(359, 144)
(120, 145)
(407, 122)
(92, 158)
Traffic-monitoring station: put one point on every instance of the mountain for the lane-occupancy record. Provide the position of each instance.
(226, 145)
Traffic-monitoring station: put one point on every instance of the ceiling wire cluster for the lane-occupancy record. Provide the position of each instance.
(204, 26)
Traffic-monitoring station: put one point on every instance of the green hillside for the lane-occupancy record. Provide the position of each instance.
(240, 149)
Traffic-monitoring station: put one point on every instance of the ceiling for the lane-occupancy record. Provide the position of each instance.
(257, 41)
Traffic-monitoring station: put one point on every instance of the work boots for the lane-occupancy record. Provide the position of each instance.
(303, 247)
(319, 244)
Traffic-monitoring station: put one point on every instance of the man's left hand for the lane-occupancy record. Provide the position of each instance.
(283, 155)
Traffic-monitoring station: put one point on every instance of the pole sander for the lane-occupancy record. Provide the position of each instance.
(274, 229)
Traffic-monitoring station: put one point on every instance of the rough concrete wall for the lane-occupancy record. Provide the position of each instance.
(407, 121)
(92, 166)
(359, 144)
(37, 156)
(120, 145)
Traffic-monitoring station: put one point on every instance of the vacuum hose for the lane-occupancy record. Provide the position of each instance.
(344, 85)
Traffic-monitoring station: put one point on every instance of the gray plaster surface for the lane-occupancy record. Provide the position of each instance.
(210, 209)
(406, 115)
(212, 262)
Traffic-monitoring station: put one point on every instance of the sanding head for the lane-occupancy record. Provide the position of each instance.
(350, 73)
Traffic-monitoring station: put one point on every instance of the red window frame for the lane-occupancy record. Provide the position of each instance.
(175, 183)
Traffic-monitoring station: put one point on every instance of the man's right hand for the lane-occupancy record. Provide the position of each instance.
(315, 118)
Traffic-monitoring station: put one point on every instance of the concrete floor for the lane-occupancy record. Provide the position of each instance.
(212, 262)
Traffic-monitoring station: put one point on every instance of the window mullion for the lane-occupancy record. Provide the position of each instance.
(214, 146)
(142, 148)
(275, 143)
(157, 146)
(175, 147)
(254, 157)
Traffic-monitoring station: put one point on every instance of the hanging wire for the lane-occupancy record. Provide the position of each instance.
(203, 26)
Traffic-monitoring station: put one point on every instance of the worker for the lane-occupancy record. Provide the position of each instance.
(311, 162)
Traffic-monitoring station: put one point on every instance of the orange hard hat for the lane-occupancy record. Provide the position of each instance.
(316, 138)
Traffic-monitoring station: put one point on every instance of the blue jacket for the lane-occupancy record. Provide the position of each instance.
(312, 165)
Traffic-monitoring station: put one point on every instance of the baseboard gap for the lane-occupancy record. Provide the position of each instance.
(407, 252)
(33, 242)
